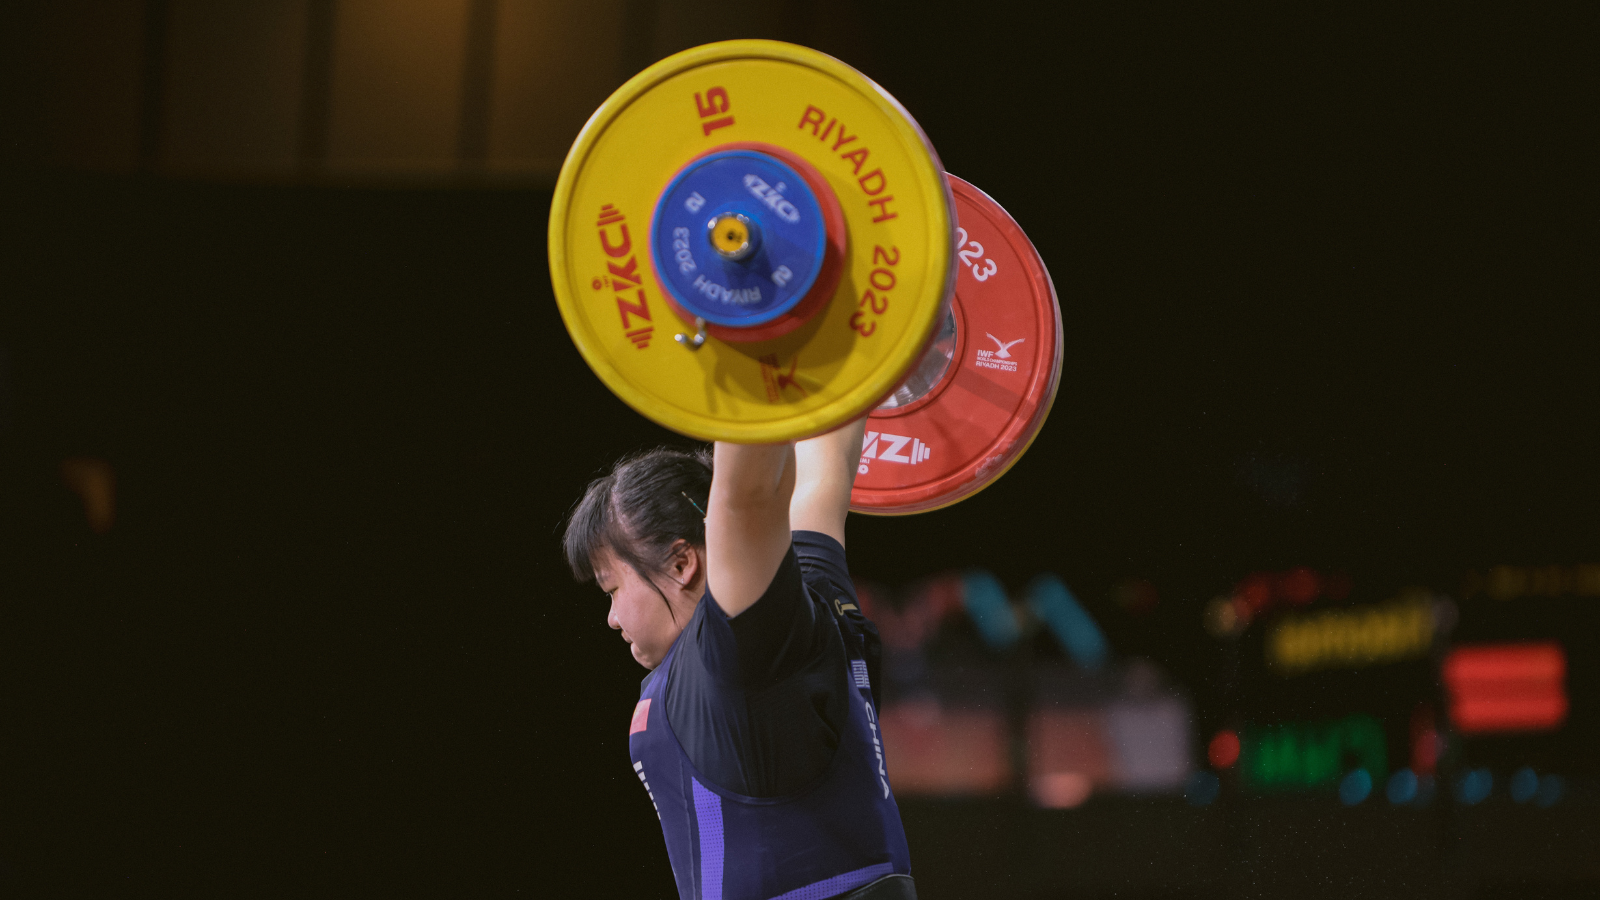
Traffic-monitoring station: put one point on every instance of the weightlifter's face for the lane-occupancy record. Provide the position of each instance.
(646, 623)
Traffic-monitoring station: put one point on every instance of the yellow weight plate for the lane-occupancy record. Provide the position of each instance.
(897, 267)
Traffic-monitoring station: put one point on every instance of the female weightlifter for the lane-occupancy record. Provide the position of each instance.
(756, 730)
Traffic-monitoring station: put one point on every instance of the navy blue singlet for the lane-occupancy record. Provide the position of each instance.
(838, 834)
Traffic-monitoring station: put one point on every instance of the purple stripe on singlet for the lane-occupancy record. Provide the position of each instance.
(838, 884)
(708, 815)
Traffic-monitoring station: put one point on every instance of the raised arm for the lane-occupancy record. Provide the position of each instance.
(747, 521)
(825, 470)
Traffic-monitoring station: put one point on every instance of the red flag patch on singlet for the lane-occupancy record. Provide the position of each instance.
(641, 717)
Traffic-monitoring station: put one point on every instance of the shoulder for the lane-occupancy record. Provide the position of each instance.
(763, 643)
(826, 570)
(814, 545)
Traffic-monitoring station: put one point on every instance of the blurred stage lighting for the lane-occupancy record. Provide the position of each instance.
(1402, 787)
(1474, 787)
(941, 751)
(1224, 749)
(1507, 687)
(1355, 786)
(1551, 789)
(1202, 789)
(1310, 755)
(1524, 784)
(1061, 790)
(96, 485)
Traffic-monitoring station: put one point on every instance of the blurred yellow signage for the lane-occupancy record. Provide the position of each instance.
(1511, 582)
(1349, 638)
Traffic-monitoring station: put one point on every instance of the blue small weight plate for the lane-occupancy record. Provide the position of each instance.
(788, 234)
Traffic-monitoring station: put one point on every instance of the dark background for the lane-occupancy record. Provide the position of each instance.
(1326, 284)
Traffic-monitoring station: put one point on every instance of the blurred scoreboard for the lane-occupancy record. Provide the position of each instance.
(1522, 678)
(1408, 689)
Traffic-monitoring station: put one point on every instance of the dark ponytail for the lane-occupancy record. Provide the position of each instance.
(649, 502)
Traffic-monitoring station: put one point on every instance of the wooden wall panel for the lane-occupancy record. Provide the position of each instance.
(681, 24)
(233, 86)
(91, 58)
(396, 86)
(553, 64)
(352, 91)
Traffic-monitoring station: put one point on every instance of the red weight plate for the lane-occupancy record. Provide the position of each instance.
(983, 389)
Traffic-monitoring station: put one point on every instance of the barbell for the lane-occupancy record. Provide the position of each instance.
(750, 241)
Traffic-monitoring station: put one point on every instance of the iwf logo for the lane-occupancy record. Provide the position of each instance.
(891, 448)
(1000, 356)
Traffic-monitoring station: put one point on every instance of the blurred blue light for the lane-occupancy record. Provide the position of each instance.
(1551, 787)
(1073, 627)
(985, 600)
(1402, 787)
(1524, 784)
(1202, 789)
(1474, 787)
(1355, 786)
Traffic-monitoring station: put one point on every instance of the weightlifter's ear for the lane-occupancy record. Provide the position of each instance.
(685, 564)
